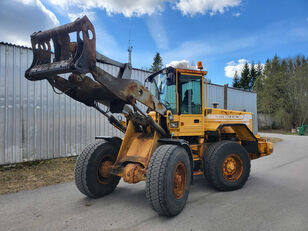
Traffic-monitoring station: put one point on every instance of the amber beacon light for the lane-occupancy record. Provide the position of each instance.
(199, 65)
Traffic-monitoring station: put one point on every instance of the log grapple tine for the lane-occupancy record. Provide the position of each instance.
(77, 57)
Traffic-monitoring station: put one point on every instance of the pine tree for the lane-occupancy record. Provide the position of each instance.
(290, 66)
(267, 67)
(252, 76)
(236, 80)
(275, 64)
(298, 61)
(245, 77)
(259, 69)
(258, 84)
(157, 63)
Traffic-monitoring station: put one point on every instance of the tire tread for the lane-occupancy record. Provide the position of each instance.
(157, 169)
(80, 167)
(210, 167)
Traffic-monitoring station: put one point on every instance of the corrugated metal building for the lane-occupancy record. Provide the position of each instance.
(36, 123)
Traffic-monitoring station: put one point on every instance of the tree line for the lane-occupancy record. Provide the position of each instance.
(281, 87)
(248, 76)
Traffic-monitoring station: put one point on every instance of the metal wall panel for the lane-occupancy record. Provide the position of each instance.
(215, 94)
(36, 123)
(244, 100)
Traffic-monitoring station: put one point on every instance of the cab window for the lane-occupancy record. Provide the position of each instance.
(190, 94)
(165, 93)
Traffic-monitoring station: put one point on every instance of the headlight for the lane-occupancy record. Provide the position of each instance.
(174, 124)
(171, 117)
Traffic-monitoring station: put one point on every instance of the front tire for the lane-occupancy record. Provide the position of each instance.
(168, 180)
(91, 169)
(226, 165)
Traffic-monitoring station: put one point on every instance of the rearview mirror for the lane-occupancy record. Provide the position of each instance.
(171, 80)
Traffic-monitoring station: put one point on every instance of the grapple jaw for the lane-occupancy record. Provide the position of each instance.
(78, 57)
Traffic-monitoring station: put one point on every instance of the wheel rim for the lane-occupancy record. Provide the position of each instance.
(103, 169)
(232, 167)
(179, 180)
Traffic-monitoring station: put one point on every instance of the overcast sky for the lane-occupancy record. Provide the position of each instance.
(223, 34)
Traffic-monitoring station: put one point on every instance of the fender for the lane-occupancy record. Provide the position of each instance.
(248, 139)
(114, 139)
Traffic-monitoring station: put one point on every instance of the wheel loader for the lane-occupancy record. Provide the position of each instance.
(177, 138)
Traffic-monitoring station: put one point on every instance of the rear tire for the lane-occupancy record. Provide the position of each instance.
(89, 176)
(227, 165)
(168, 180)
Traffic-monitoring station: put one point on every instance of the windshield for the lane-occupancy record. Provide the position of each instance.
(166, 94)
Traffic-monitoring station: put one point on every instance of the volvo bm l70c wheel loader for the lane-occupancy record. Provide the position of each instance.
(177, 138)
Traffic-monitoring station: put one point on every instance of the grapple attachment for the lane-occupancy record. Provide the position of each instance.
(78, 57)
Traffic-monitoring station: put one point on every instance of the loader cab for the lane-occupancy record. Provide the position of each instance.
(181, 91)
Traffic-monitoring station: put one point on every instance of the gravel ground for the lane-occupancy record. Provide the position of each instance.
(275, 197)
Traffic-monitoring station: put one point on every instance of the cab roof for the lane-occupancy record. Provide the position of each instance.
(191, 71)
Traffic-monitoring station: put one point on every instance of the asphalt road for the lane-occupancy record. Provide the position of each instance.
(275, 197)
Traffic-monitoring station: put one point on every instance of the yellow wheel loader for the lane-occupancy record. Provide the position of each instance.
(178, 137)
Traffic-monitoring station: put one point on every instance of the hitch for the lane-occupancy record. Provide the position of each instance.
(77, 57)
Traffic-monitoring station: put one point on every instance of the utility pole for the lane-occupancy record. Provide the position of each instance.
(130, 48)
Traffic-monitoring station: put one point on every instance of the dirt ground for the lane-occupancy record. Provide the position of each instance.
(277, 131)
(27, 176)
(272, 139)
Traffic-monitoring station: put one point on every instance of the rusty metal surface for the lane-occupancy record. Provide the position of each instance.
(131, 150)
(134, 155)
(82, 59)
(179, 180)
(128, 91)
(80, 88)
(133, 173)
(232, 167)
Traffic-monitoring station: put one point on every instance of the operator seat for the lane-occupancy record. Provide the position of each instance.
(187, 102)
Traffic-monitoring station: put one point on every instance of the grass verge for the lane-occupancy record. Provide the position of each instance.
(31, 175)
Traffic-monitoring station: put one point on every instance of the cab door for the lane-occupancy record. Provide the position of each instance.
(190, 104)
